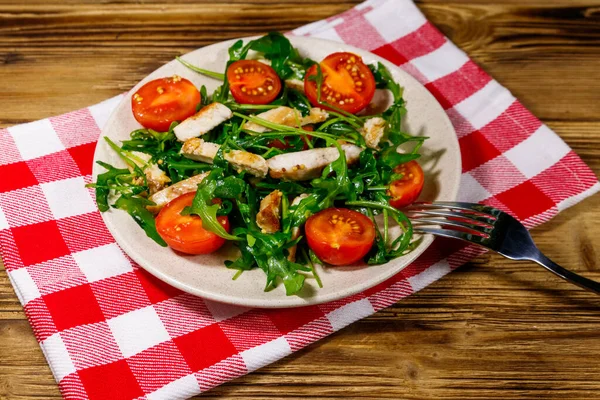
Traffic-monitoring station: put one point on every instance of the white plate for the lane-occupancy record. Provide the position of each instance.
(205, 275)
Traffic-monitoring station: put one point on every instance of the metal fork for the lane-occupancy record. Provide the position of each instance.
(488, 227)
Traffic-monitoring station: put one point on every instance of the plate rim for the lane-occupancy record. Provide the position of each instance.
(284, 301)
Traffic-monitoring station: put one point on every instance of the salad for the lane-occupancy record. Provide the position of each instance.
(285, 160)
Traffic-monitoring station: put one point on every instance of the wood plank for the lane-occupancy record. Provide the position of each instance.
(493, 328)
(542, 54)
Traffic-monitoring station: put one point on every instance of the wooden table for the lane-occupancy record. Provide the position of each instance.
(494, 328)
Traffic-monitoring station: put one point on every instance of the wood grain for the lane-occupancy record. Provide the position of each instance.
(492, 329)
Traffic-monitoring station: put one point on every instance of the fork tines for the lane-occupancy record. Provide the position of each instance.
(465, 219)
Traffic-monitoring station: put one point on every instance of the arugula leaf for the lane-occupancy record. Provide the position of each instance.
(148, 141)
(238, 51)
(230, 188)
(299, 213)
(340, 185)
(401, 244)
(391, 158)
(204, 98)
(299, 101)
(202, 71)
(103, 183)
(280, 266)
(246, 260)
(384, 80)
(285, 59)
(136, 207)
(203, 205)
(394, 114)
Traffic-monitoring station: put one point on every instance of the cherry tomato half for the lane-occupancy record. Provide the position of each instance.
(347, 83)
(405, 190)
(252, 82)
(340, 236)
(284, 145)
(162, 101)
(185, 233)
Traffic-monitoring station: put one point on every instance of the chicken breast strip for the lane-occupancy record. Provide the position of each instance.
(156, 178)
(287, 116)
(308, 164)
(198, 150)
(246, 161)
(269, 214)
(295, 84)
(209, 117)
(373, 131)
(296, 229)
(172, 192)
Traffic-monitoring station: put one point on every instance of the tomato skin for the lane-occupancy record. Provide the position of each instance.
(406, 190)
(348, 83)
(162, 101)
(252, 82)
(340, 236)
(185, 233)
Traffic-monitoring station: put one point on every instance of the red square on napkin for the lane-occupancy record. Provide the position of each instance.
(16, 176)
(83, 156)
(39, 242)
(205, 347)
(525, 200)
(113, 381)
(73, 307)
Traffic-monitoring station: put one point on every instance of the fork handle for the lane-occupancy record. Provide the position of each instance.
(567, 275)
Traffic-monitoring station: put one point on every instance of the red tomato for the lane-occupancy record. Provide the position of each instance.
(340, 236)
(347, 83)
(404, 191)
(185, 233)
(278, 144)
(162, 101)
(252, 82)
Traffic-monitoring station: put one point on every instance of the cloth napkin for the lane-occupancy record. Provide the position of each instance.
(109, 330)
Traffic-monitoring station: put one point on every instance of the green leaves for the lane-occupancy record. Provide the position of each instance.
(384, 80)
(149, 141)
(299, 213)
(285, 59)
(205, 208)
(299, 101)
(105, 181)
(238, 51)
(136, 207)
(383, 252)
(202, 71)
(230, 188)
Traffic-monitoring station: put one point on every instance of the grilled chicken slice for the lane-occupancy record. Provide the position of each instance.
(308, 164)
(295, 84)
(287, 116)
(280, 115)
(269, 214)
(172, 192)
(315, 116)
(156, 178)
(207, 118)
(373, 131)
(295, 230)
(249, 162)
(198, 150)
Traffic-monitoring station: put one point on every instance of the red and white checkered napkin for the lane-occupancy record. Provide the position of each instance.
(111, 331)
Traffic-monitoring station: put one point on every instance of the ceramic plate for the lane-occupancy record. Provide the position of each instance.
(206, 275)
